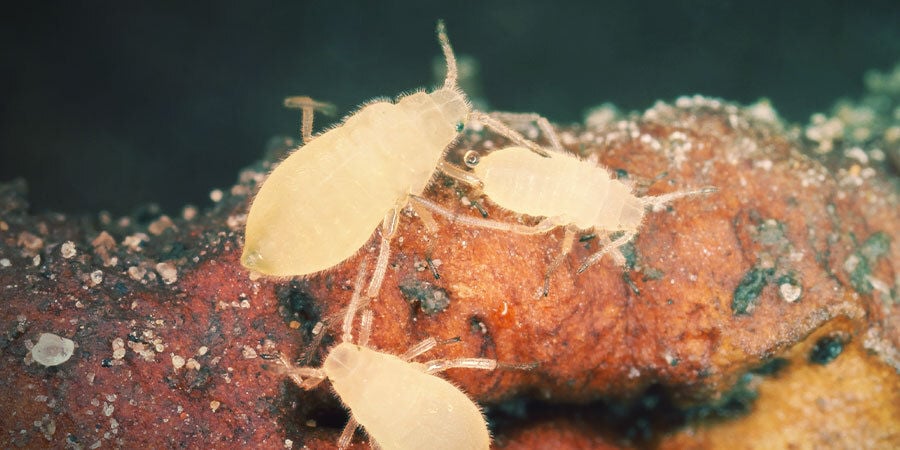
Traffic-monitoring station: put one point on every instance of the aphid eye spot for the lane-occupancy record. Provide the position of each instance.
(471, 158)
(459, 127)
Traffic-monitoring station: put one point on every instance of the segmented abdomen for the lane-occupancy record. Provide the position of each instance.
(561, 186)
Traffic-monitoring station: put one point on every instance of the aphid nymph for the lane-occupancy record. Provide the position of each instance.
(563, 189)
(400, 404)
(324, 201)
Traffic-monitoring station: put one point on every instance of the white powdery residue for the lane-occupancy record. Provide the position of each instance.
(790, 292)
(168, 272)
(764, 164)
(177, 361)
(857, 154)
(68, 250)
(763, 111)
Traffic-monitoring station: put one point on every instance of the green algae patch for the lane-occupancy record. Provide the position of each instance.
(748, 290)
(859, 265)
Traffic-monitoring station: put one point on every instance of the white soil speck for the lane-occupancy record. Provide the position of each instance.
(52, 350)
(168, 272)
(68, 250)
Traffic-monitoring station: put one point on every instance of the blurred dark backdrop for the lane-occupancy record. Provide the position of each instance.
(107, 105)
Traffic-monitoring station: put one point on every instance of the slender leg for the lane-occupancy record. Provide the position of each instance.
(567, 243)
(542, 227)
(318, 335)
(388, 228)
(347, 327)
(418, 349)
(591, 260)
(458, 174)
(347, 434)
(308, 107)
(426, 217)
(365, 328)
(313, 375)
(507, 132)
(467, 178)
(440, 365)
(541, 121)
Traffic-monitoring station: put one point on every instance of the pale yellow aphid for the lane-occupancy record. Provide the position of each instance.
(563, 189)
(400, 404)
(322, 203)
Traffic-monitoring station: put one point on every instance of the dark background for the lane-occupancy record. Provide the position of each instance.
(108, 105)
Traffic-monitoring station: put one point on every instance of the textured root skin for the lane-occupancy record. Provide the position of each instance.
(667, 321)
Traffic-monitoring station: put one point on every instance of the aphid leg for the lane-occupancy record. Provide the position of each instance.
(313, 375)
(467, 178)
(347, 327)
(347, 434)
(439, 365)
(459, 175)
(427, 219)
(365, 328)
(541, 121)
(567, 243)
(418, 349)
(318, 333)
(507, 132)
(614, 245)
(658, 201)
(388, 228)
(308, 107)
(542, 227)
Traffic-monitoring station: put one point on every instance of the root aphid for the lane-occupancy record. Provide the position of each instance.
(323, 203)
(566, 191)
(401, 404)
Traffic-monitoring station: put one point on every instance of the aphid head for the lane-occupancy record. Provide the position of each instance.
(342, 361)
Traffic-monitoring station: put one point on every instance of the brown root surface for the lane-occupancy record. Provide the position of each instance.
(773, 299)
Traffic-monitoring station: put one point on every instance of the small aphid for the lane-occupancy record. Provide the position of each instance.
(400, 404)
(322, 203)
(565, 191)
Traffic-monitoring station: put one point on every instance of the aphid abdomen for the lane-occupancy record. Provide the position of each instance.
(560, 186)
(402, 407)
(343, 200)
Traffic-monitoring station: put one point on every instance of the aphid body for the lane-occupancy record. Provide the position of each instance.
(561, 187)
(322, 203)
(401, 404)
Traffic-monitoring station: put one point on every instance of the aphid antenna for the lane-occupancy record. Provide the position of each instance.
(450, 81)
(658, 201)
